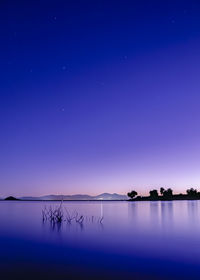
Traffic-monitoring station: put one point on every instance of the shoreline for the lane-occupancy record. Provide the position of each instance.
(86, 200)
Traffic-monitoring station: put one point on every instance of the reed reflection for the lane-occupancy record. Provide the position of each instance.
(56, 217)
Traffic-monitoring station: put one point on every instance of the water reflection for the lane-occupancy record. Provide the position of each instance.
(193, 217)
(167, 215)
(162, 231)
(60, 218)
(133, 212)
(52, 226)
(154, 213)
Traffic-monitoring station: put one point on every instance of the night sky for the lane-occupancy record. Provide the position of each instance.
(99, 96)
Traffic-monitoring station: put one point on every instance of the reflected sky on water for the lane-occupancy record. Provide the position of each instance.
(154, 238)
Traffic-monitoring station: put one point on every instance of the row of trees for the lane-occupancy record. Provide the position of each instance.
(165, 193)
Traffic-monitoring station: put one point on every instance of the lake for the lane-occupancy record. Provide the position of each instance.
(115, 240)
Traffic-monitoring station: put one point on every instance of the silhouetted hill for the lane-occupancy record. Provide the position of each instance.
(11, 198)
(103, 196)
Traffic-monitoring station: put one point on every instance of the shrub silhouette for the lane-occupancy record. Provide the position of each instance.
(132, 194)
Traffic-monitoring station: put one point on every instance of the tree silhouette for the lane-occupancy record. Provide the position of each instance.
(162, 191)
(153, 194)
(132, 194)
(192, 192)
(167, 194)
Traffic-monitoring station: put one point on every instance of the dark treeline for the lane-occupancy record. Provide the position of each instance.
(165, 194)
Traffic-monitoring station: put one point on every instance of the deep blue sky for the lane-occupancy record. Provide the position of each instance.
(99, 96)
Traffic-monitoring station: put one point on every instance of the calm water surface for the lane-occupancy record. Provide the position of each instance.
(136, 240)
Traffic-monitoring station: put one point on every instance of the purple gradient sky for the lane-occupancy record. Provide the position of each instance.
(99, 97)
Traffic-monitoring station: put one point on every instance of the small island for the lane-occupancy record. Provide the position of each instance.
(11, 198)
(165, 194)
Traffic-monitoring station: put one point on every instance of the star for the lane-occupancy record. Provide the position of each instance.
(61, 109)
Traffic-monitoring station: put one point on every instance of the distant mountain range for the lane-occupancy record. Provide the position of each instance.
(103, 196)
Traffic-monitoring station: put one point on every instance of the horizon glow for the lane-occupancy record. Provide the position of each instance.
(100, 97)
